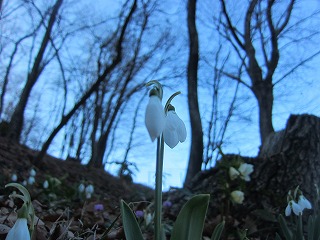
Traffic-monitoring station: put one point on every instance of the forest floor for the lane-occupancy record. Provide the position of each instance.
(63, 212)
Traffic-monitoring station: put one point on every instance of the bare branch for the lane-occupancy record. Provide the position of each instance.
(232, 29)
(293, 69)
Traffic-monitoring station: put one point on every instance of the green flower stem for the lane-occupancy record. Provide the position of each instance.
(158, 191)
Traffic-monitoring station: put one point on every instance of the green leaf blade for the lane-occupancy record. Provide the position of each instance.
(130, 224)
(218, 231)
(190, 221)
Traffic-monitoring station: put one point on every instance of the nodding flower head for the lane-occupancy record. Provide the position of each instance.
(245, 170)
(293, 206)
(174, 130)
(304, 203)
(164, 121)
(237, 196)
(233, 173)
(19, 231)
(155, 117)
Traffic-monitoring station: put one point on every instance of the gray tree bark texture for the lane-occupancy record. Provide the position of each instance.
(288, 158)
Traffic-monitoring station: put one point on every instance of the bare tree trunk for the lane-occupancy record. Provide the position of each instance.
(16, 122)
(264, 95)
(196, 151)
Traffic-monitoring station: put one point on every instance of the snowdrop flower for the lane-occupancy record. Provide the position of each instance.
(304, 203)
(237, 196)
(33, 172)
(19, 231)
(81, 188)
(45, 184)
(14, 177)
(233, 173)
(245, 170)
(155, 117)
(148, 218)
(31, 180)
(24, 183)
(293, 206)
(89, 191)
(174, 130)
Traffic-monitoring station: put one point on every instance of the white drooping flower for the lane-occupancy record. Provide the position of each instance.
(81, 188)
(245, 170)
(19, 231)
(33, 172)
(293, 206)
(45, 184)
(148, 218)
(304, 203)
(31, 180)
(233, 173)
(237, 196)
(14, 177)
(174, 129)
(89, 191)
(155, 117)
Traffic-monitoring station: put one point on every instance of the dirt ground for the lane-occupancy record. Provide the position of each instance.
(64, 212)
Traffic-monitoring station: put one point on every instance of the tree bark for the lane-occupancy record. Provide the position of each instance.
(196, 150)
(289, 158)
(263, 91)
(17, 119)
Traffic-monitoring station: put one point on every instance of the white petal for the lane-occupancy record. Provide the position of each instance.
(288, 210)
(245, 169)
(170, 133)
(181, 129)
(174, 130)
(170, 137)
(296, 208)
(154, 118)
(233, 173)
(19, 231)
(237, 196)
(304, 203)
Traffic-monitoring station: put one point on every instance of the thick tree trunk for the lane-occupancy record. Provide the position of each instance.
(196, 151)
(288, 159)
(17, 119)
(264, 95)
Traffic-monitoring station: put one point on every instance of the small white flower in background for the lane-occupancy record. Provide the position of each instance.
(14, 177)
(81, 188)
(19, 231)
(293, 206)
(89, 191)
(24, 183)
(148, 218)
(304, 203)
(31, 180)
(45, 184)
(154, 118)
(174, 130)
(33, 172)
(237, 196)
(245, 170)
(233, 173)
